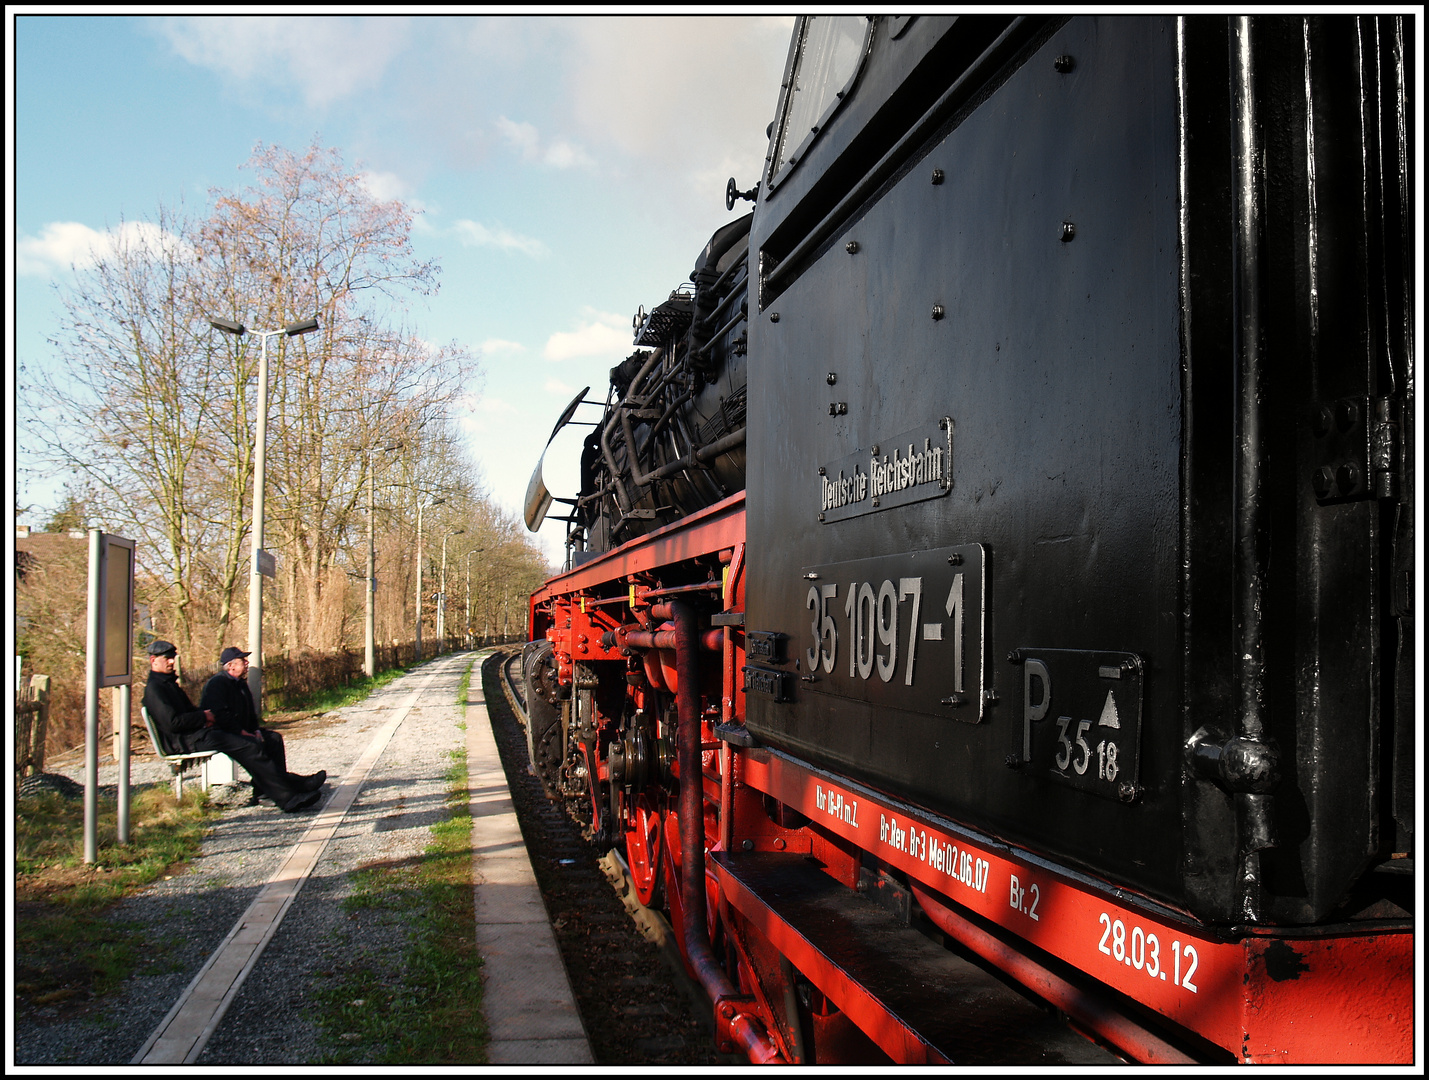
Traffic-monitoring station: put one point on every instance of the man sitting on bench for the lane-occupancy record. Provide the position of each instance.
(188, 729)
(228, 696)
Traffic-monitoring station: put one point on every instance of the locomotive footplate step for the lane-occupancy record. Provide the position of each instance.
(918, 1001)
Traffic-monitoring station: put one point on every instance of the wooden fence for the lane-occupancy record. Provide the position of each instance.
(290, 677)
(32, 721)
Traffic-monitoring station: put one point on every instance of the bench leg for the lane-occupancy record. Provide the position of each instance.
(178, 783)
(203, 773)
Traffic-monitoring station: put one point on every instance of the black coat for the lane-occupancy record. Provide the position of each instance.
(231, 702)
(170, 708)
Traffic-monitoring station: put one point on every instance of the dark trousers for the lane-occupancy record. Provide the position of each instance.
(265, 760)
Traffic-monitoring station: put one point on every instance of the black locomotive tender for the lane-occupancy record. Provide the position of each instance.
(1066, 366)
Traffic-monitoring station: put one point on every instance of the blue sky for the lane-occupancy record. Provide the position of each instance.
(568, 170)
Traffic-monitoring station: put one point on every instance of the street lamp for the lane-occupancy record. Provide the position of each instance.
(369, 662)
(434, 502)
(469, 554)
(255, 577)
(442, 607)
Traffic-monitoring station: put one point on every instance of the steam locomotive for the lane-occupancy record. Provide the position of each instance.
(988, 626)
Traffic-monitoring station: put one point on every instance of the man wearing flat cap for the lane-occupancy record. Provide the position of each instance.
(228, 696)
(188, 729)
(168, 706)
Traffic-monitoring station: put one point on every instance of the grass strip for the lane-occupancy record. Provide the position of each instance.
(68, 946)
(431, 1014)
(339, 697)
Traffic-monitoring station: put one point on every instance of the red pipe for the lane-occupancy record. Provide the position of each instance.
(710, 640)
(726, 707)
(1087, 1009)
(647, 639)
(756, 1043)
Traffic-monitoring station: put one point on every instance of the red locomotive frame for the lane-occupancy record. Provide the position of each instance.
(1151, 983)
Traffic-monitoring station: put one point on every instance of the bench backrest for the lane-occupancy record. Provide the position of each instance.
(160, 747)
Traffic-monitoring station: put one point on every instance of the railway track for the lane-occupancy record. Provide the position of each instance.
(638, 1009)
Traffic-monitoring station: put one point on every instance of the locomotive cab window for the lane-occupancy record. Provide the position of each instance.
(826, 64)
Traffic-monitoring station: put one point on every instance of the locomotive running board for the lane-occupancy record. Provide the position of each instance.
(921, 1004)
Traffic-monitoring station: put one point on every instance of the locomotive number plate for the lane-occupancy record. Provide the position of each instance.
(1082, 719)
(901, 631)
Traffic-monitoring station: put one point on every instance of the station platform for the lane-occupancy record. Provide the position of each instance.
(269, 890)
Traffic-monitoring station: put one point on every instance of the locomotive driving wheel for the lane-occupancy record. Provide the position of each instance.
(642, 849)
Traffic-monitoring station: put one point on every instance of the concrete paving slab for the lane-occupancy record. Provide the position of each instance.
(497, 902)
(530, 1010)
(539, 1052)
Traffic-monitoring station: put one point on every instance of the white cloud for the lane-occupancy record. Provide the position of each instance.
(558, 153)
(386, 187)
(495, 346)
(555, 386)
(564, 155)
(631, 82)
(603, 335)
(325, 57)
(62, 244)
(522, 136)
(475, 234)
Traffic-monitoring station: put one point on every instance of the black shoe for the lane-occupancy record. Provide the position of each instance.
(253, 798)
(312, 783)
(301, 801)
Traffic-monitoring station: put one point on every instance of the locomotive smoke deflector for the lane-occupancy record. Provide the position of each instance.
(538, 499)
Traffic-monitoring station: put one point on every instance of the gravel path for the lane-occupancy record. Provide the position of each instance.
(188, 916)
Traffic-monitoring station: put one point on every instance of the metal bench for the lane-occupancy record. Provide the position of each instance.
(179, 763)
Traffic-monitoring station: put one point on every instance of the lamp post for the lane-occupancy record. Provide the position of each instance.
(255, 576)
(369, 662)
(469, 554)
(434, 502)
(442, 607)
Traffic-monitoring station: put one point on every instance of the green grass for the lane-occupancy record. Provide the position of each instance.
(49, 845)
(67, 944)
(431, 1014)
(338, 697)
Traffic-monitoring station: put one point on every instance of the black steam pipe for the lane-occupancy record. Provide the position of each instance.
(717, 984)
(1251, 520)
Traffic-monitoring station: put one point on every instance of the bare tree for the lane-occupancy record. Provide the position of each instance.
(155, 412)
(132, 408)
(309, 238)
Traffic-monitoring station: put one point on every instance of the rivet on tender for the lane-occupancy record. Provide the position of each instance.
(1064, 64)
(1324, 482)
(938, 311)
(1068, 231)
(774, 316)
(851, 247)
(1324, 421)
(937, 176)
